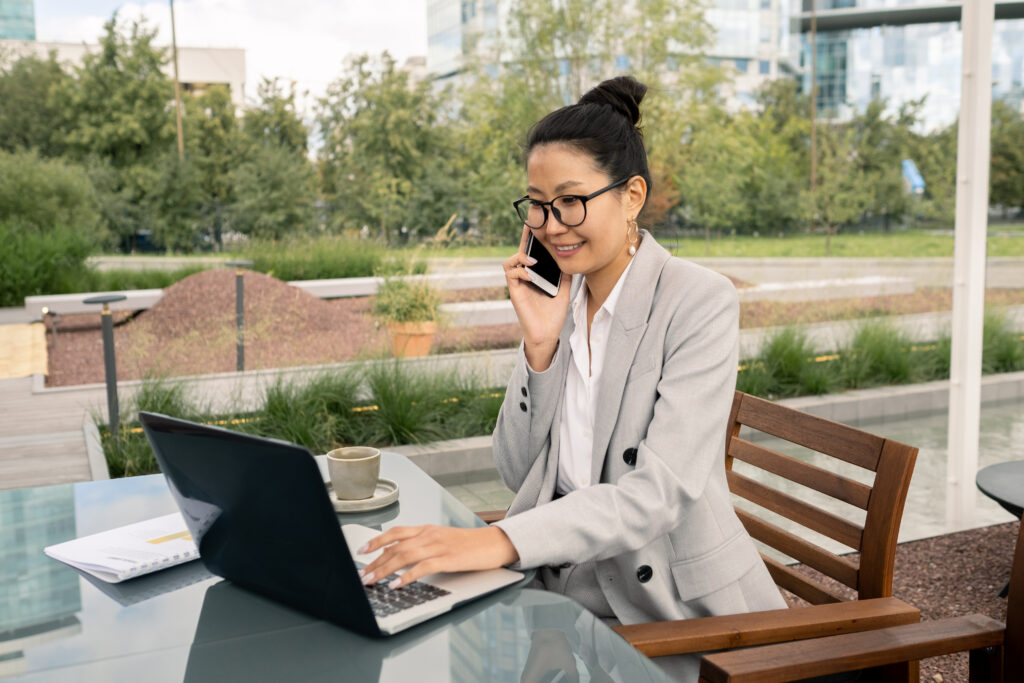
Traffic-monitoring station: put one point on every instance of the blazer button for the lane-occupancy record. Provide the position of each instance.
(644, 573)
(523, 389)
(522, 406)
(629, 456)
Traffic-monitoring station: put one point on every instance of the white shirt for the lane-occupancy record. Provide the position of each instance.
(576, 433)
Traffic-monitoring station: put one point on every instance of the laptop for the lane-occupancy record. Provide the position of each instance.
(260, 514)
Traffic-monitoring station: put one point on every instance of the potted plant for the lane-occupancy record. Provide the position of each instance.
(410, 308)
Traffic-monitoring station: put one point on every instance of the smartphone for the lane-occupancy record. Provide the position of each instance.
(545, 273)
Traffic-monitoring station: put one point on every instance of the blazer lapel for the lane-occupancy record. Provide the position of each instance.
(627, 329)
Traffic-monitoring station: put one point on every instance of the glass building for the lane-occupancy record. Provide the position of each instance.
(17, 19)
(900, 50)
(747, 38)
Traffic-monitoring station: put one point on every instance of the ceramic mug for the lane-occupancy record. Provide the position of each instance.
(354, 471)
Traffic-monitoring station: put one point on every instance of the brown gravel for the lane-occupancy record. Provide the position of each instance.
(948, 576)
(191, 330)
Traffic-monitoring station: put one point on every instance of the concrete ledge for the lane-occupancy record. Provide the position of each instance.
(66, 304)
(94, 449)
(469, 313)
(816, 290)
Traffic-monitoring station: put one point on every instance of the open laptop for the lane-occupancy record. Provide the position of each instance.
(260, 514)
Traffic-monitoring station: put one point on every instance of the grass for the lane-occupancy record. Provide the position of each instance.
(877, 355)
(381, 404)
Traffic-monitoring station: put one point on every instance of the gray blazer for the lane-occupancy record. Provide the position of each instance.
(657, 520)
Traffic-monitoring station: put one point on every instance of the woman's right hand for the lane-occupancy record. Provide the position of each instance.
(541, 316)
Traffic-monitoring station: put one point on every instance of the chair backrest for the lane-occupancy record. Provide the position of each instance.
(881, 500)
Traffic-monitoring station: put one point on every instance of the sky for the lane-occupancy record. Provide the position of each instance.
(297, 40)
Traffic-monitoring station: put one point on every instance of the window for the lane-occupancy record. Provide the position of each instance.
(764, 67)
(742, 65)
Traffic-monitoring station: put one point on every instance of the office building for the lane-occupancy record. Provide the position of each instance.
(899, 50)
(747, 39)
(17, 19)
(198, 67)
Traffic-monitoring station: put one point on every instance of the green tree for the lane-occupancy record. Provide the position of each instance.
(44, 194)
(881, 143)
(117, 117)
(842, 194)
(118, 105)
(1006, 175)
(275, 117)
(382, 143)
(775, 177)
(274, 193)
(28, 116)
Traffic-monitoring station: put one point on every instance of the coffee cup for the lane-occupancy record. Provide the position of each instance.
(354, 471)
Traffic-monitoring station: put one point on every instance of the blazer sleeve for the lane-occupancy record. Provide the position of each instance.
(683, 443)
(523, 429)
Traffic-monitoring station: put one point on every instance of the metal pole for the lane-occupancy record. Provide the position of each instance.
(973, 133)
(814, 115)
(109, 361)
(240, 311)
(177, 87)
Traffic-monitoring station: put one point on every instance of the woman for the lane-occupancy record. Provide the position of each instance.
(613, 426)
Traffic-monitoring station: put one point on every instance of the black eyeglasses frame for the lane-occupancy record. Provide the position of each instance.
(554, 212)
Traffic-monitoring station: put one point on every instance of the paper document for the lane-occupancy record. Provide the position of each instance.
(131, 550)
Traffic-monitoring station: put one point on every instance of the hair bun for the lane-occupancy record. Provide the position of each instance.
(623, 93)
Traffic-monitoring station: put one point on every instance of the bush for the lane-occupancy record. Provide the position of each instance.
(44, 195)
(785, 367)
(880, 354)
(32, 262)
(406, 301)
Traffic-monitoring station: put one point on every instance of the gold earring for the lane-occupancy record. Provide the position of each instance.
(635, 239)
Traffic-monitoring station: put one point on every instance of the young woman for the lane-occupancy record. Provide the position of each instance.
(613, 426)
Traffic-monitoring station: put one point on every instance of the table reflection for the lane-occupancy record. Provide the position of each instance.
(38, 597)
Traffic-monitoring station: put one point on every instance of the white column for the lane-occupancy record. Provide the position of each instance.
(969, 260)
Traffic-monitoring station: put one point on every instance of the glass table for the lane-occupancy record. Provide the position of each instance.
(185, 624)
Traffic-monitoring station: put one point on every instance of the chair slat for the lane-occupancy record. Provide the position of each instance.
(805, 514)
(800, 585)
(838, 568)
(847, 443)
(811, 476)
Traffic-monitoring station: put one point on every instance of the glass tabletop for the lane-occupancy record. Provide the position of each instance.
(185, 624)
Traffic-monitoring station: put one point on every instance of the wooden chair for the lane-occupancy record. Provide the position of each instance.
(831, 611)
(996, 650)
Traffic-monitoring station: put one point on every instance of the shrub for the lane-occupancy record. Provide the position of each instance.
(880, 354)
(33, 262)
(44, 195)
(406, 301)
(1002, 346)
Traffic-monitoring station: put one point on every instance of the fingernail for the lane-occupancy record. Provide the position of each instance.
(394, 584)
(367, 579)
(365, 549)
(530, 260)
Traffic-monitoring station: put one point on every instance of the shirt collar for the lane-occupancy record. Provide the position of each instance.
(579, 303)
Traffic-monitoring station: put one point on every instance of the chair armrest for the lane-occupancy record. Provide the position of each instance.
(492, 516)
(794, 661)
(661, 638)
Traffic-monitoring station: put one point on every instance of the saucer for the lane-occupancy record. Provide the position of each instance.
(386, 494)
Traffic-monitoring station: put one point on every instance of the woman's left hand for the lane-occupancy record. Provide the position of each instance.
(423, 550)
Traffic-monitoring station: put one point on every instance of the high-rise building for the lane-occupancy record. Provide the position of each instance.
(18, 19)
(900, 50)
(747, 38)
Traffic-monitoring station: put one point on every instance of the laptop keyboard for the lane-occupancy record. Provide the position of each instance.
(386, 601)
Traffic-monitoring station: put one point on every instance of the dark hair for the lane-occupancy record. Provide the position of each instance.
(605, 125)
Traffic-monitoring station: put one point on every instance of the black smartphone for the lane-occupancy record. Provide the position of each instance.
(545, 273)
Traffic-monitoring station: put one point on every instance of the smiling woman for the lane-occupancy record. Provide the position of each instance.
(613, 425)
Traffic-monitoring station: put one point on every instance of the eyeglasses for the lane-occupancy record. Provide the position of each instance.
(569, 209)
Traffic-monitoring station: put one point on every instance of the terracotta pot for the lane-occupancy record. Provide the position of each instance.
(410, 340)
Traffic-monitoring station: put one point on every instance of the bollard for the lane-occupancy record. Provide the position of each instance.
(240, 312)
(109, 364)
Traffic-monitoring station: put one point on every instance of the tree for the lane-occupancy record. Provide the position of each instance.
(116, 116)
(275, 193)
(775, 178)
(1006, 175)
(118, 105)
(44, 194)
(28, 116)
(842, 194)
(275, 118)
(382, 144)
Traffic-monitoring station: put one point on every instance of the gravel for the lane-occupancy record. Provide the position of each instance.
(191, 330)
(951, 575)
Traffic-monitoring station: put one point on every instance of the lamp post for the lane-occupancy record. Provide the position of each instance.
(240, 311)
(109, 364)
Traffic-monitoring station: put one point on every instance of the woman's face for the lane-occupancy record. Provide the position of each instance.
(600, 241)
